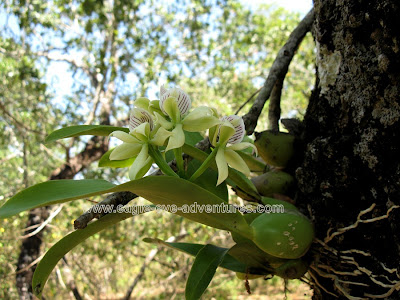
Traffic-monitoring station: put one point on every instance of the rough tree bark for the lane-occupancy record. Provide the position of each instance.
(350, 169)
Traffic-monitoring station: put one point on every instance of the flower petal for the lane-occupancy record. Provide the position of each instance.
(201, 118)
(160, 137)
(123, 136)
(142, 132)
(242, 146)
(236, 162)
(139, 116)
(226, 131)
(221, 165)
(125, 151)
(183, 100)
(154, 107)
(139, 162)
(177, 139)
(170, 107)
(162, 121)
(142, 102)
(238, 124)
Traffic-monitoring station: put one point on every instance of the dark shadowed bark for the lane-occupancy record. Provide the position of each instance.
(350, 170)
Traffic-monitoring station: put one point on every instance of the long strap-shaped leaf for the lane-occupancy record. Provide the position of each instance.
(206, 263)
(71, 131)
(66, 244)
(229, 262)
(52, 192)
(183, 197)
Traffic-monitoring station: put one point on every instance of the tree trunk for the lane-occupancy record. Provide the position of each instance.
(350, 170)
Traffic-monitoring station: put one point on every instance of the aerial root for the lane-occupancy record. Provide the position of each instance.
(347, 257)
(359, 220)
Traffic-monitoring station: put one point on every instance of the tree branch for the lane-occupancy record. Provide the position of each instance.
(278, 70)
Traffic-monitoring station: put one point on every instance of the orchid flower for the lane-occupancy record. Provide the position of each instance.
(174, 105)
(230, 131)
(138, 142)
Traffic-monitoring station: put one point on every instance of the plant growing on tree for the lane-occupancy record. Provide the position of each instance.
(266, 243)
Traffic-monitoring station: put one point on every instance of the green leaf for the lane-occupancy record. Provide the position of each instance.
(192, 138)
(106, 162)
(180, 193)
(207, 180)
(206, 263)
(66, 244)
(229, 262)
(176, 192)
(71, 131)
(52, 192)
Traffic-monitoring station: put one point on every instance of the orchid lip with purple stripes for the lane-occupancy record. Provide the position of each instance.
(182, 99)
(139, 116)
(238, 124)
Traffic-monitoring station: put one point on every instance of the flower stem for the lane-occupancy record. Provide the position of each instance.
(204, 165)
(179, 161)
(160, 161)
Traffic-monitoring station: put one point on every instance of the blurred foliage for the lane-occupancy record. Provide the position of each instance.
(55, 57)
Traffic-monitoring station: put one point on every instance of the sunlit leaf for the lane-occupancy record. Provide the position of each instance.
(183, 197)
(52, 192)
(71, 131)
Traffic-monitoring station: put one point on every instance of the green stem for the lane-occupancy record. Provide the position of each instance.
(179, 161)
(204, 166)
(160, 161)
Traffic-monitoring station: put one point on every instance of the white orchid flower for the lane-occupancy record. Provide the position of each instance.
(230, 131)
(175, 104)
(142, 135)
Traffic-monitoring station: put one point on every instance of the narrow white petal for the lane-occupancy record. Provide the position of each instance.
(139, 162)
(125, 151)
(221, 165)
(123, 136)
(177, 139)
(236, 162)
(242, 146)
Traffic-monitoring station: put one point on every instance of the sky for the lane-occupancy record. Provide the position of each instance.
(301, 6)
(59, 78)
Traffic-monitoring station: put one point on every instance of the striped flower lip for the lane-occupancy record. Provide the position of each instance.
(139, 116)
(183, 100)
(238, 124)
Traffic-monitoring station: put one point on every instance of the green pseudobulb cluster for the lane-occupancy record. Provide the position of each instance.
(284, 236)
